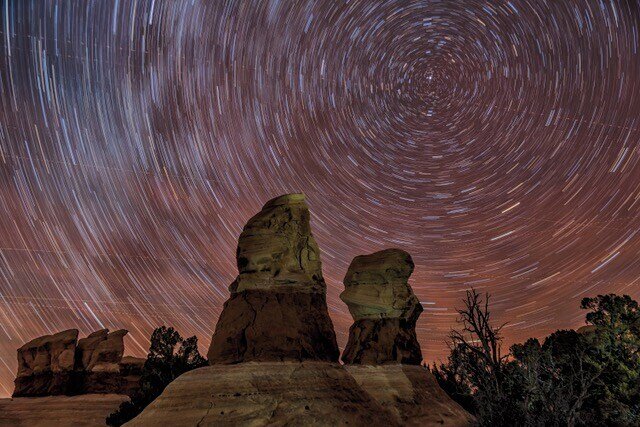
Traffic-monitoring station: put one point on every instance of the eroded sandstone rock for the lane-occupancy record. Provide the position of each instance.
(86, 347)
(276, 250)
(108, 353)
(410, 394)
(271, 393)
(45, 364)
(384, 308)
(277, 309)
(61, 364)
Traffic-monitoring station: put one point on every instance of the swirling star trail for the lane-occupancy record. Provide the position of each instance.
(497, 142)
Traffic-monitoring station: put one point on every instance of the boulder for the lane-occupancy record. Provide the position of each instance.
(277, 309)
(45, 364)
(384, 308)
(410, 394)
(270, 393)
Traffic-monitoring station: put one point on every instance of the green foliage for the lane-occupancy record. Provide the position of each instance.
(590, 377)
(169, 357)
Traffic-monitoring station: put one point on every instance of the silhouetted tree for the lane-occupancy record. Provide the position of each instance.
(169, 357)
(589, 377)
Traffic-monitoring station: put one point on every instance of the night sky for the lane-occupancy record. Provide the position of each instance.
(497, 142)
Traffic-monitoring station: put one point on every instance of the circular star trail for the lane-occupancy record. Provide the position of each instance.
(497, 142)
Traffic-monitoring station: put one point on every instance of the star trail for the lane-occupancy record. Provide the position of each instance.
(497, 142)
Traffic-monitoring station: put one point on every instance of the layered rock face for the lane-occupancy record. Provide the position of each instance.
(61, 364)
(46, 364)
(267, 393)
(89, 410)
(410, 394)
(384, 308)
(277, 309)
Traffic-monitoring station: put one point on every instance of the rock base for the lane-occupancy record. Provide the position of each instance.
(258, 394)
(378, 341)
(259, 325)
(60, 411)
(411, 394)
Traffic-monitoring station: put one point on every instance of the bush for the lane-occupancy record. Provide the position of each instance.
(169, 357)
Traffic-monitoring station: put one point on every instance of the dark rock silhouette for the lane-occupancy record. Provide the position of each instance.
(60, 364)
(384, 309)
(277, 309)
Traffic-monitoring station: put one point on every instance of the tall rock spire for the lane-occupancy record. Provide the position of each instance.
(277, 309)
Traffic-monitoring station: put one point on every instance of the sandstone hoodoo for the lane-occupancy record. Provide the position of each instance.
(384, 308)
(46, 364)
(383, 354)
(277, 309)
(60, 364)
(274, 350)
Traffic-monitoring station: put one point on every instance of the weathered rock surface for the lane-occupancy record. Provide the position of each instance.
(277, 309)
(258, 394)
(86, 347)
(375, 342)
(276, 250)
(108, 353)
(60, 411)
(45, 364)
(376, 286)
(410, 394)
(61, 364)
(384, 308)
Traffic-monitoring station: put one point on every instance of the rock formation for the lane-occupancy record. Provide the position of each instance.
(60, 364)
(410, 394)
(384, 310)
(277, 309)
(273, 352)
(89, 410)
(383, 353)
(46, 364)
(309, 393)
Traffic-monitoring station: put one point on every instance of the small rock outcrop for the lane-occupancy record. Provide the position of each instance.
(384, 308)
(60, 364)
(46, 364)
(277, 310)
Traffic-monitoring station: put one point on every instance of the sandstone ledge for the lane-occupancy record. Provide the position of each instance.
(258, 394)
(411, 394)
(60, 411)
